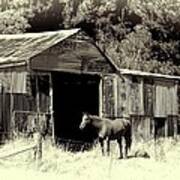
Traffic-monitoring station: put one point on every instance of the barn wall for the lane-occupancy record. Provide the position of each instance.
(141, 129)
(13, 80)
(130, 96)
(178, 119)
(148, 91)
(166, 100)
(28, 106)
(108, 96)
(139, 98)
(19, 103)
(72, 55)
(124, 97)
(4, 116)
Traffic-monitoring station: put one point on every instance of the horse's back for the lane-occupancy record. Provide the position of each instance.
(121, 122)
(121, 125)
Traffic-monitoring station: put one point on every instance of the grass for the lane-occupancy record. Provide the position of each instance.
(57, 163)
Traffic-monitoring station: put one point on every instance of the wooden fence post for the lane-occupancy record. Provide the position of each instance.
(38, 145)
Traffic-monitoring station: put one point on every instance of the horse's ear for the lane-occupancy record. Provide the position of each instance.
(85, 113)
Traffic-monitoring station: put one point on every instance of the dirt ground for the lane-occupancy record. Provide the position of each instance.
(164, 163)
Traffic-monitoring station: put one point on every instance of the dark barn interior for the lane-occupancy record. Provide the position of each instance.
(74, 94)
(160, 127)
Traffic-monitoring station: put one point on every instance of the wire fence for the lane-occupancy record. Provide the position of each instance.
(18, 152)
(35, 146)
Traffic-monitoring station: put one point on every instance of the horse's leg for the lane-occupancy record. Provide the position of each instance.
(101, 140)
(128, 142)
(119, 140)
(126, 146)
(108, 146)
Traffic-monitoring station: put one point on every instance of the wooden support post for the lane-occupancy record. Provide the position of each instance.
(51, 108)
(115, 89)
(175, 119)
(166, 127)
(37, 95)
(3, 113)
(153, 135)
(100, 99)
(37, 134)
(12, 120)
(142, 96)
(133, 129)
(38, 145)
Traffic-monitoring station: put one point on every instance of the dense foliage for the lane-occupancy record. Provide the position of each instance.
(137, 34)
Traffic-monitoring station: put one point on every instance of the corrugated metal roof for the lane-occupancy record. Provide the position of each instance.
(18, 48)
(136, 72)
(147, 74)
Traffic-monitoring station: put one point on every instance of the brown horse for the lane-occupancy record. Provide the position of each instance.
(108, 130)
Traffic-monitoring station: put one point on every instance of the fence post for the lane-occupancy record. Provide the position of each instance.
(38, 145)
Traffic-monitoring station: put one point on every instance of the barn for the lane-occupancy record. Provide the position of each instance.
(150, 100)
(50, 78)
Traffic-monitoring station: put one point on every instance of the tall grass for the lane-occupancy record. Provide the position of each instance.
(164, 159)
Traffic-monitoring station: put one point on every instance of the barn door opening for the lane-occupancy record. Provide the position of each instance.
(160, 127)
(72, 95)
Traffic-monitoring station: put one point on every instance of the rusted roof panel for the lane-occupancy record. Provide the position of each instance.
(22, 47)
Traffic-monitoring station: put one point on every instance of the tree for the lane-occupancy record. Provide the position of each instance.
(14, 15)
(142, 34)
(137, 34)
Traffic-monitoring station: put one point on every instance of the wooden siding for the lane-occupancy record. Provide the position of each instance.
(135, 99)
(14, 80)
(17, 109)
(148, 97)
(130, 96)
(72, 55)
(172, 125)
(165, 102)
(141, 129)
(108, 96)
(4, 116)
(178, 99)
(136, 96)
(122, 98)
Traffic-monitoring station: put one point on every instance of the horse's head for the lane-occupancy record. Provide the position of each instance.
(85, 120)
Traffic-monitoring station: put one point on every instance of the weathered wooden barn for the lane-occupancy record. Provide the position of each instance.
(151, 101)
(50, 78)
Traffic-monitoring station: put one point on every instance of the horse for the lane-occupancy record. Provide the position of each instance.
(108, 130)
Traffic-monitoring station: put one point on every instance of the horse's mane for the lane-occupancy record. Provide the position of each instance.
(95, 117)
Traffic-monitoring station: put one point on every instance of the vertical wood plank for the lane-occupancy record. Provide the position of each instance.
(152, 128)
(175, 123)
(115, 89)
(166, 127)
(108, 96)
(51, 108)
(100, 99)
(12, 122)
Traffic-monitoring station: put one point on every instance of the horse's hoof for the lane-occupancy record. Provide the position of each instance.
(120, 157)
